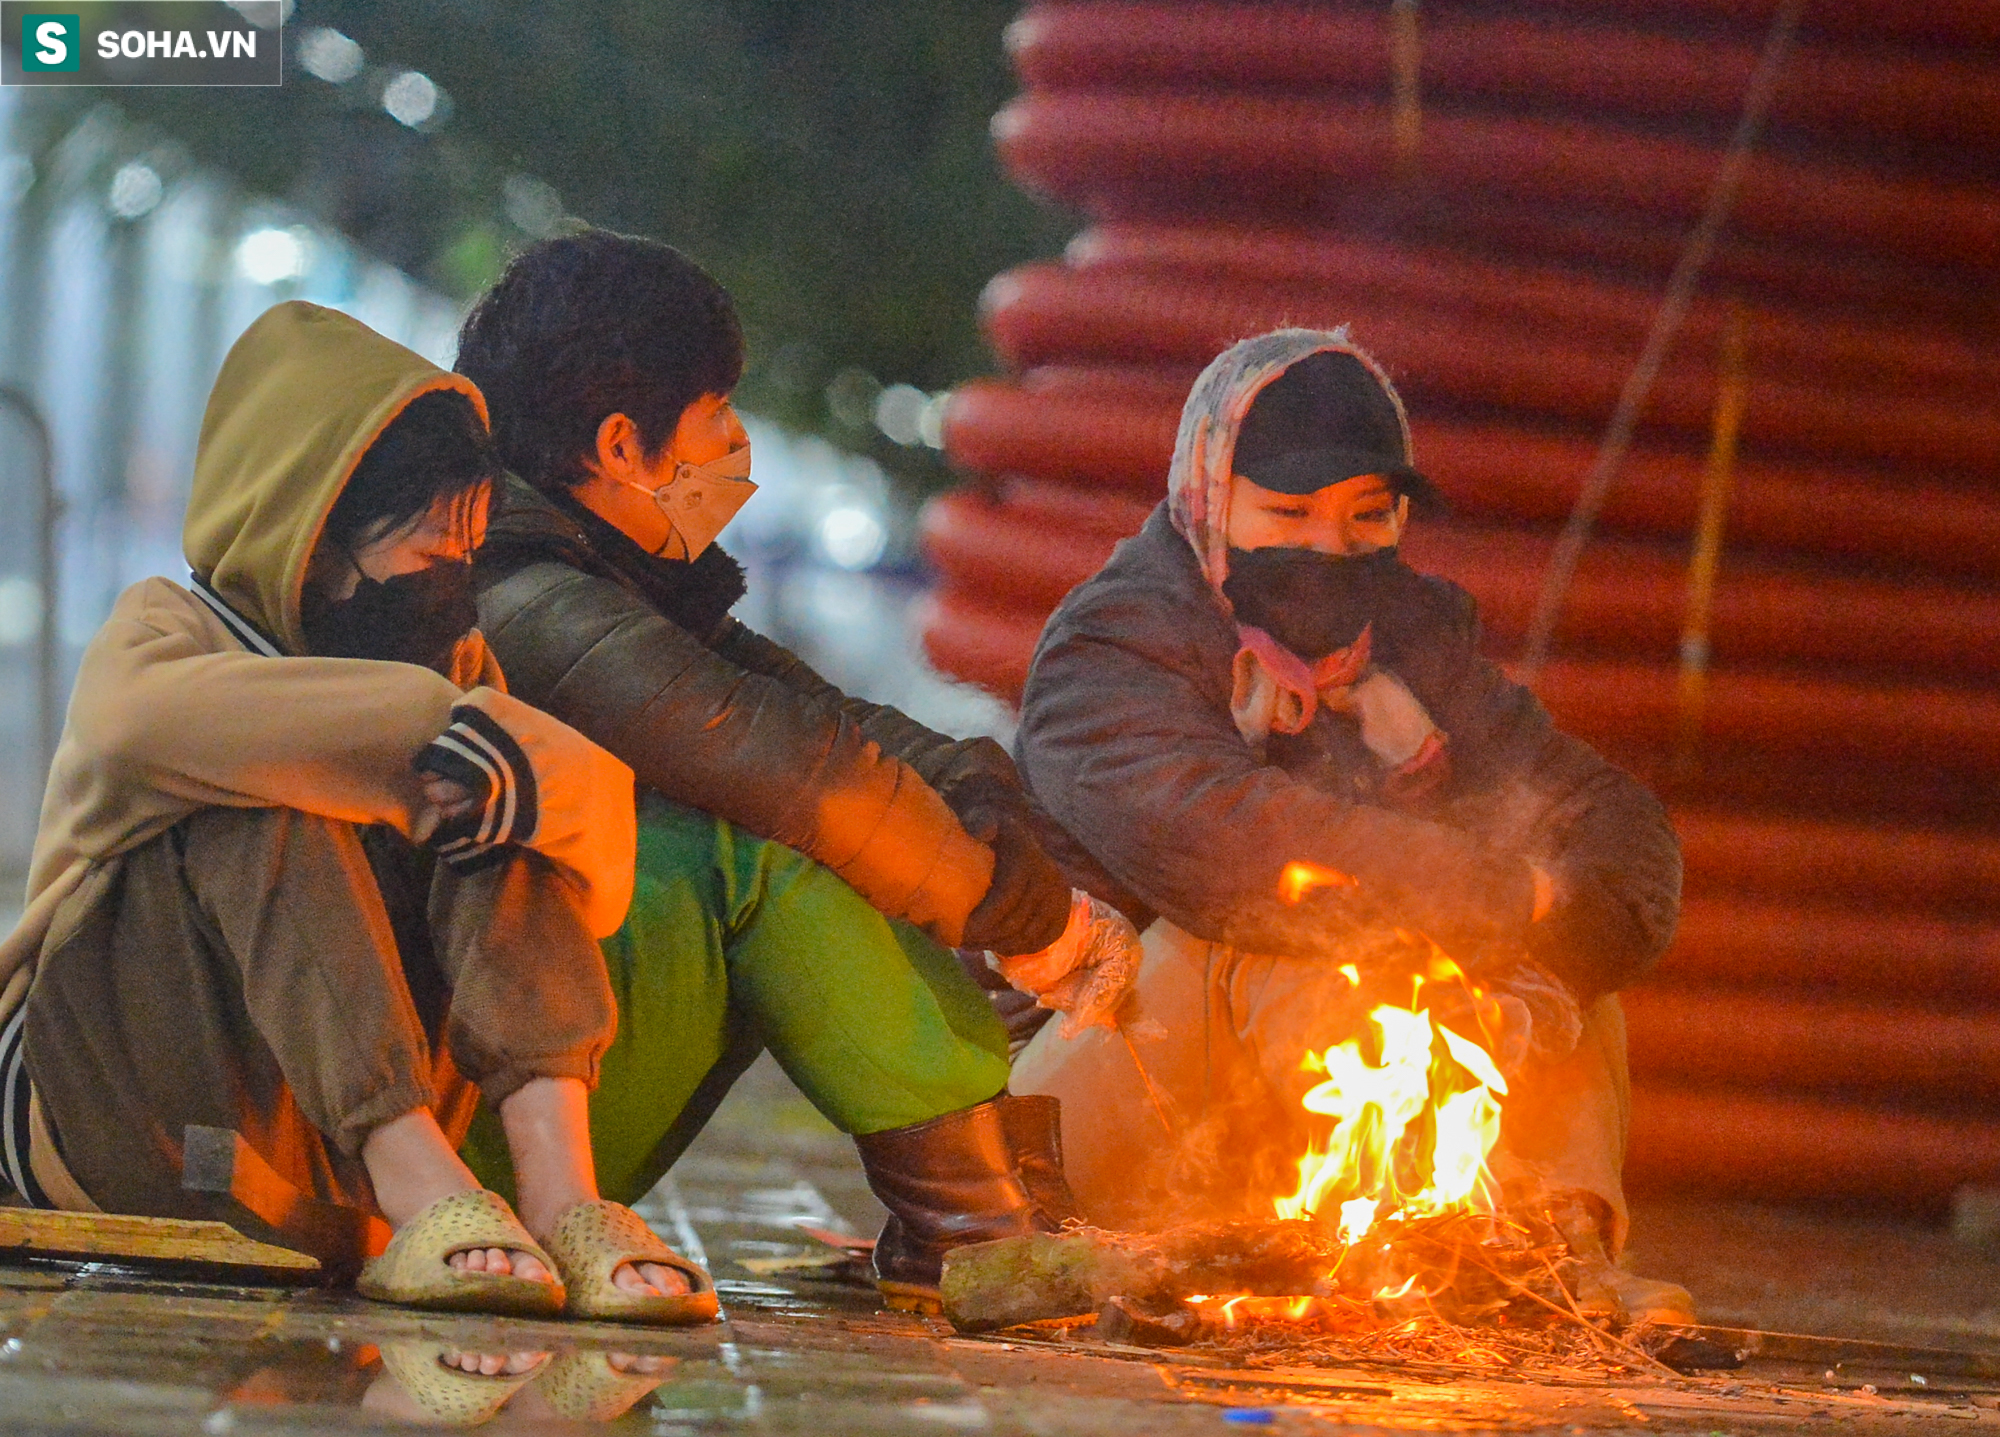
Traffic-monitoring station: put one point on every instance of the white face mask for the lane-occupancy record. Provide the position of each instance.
(699, 500)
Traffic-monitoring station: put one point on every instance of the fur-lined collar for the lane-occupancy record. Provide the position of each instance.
(531, 526)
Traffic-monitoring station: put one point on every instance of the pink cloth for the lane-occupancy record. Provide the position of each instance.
(1304, 681)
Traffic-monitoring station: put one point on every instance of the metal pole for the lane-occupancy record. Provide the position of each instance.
(48, 654)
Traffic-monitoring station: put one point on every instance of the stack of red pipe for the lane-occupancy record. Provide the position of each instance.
(1829, 1019)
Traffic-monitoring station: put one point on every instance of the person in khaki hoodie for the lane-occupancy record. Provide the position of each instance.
(307, 875)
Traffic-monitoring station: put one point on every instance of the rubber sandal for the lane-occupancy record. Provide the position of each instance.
(594, 1239)
(451, 1396)
(415, 1269)
(585, 1387)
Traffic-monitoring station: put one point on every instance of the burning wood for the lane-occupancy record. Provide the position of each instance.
(1459, 1267)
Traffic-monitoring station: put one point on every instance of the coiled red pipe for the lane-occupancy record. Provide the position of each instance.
(1503, 59)
(1809, 1044)
(1626, 597)
(1774, 947)
(1044, 314)
(1113, 153)
(1761, 1145)
(1121, 444)
(1926, 360)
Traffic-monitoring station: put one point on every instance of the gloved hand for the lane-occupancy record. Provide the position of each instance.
(1538, 1016)
(1086, 973)
(1028, 902)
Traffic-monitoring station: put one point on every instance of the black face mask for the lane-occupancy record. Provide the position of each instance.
(1310, 602)
(415, 618)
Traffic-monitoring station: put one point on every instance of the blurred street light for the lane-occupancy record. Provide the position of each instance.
(330, 56)
(899, 413)
(533, 206)
(853, 537)
(272, 256)
(411, 99)
(135, 190)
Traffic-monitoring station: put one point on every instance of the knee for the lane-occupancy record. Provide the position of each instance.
(233, 855)
(231, 833)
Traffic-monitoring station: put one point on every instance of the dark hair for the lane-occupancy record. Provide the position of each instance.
(586, 326)
(436, 449)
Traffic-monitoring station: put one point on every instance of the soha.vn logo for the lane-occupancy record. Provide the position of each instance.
(51, 42)
(176, 45)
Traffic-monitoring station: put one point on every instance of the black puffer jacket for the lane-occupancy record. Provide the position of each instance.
(641, 655)
(1126, 738)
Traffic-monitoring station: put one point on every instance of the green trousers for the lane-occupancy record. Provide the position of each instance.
(735, 944)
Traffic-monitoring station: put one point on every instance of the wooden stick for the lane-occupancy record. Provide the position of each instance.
(1153, 1092)
(1731, 398)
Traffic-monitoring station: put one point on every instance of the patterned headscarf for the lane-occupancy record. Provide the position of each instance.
(1202, 477)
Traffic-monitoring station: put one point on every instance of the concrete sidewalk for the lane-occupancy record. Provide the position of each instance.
(93, 1350)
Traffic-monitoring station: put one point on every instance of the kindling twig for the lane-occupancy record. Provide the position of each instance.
(1159, 1099)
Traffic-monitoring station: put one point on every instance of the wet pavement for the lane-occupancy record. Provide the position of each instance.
(95, 1350)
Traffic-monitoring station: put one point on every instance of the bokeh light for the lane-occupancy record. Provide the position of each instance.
(272, 255)
(135, 190)
(411, 99)
(331, 56)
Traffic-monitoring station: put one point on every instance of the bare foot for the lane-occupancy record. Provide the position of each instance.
(500, 1262)
(631, 1366)
(493, 1364)
(651, 1279)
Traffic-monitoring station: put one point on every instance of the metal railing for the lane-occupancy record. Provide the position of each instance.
(48, 706)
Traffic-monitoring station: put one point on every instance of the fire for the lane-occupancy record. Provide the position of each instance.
(1411, 1125)
(1300, 879)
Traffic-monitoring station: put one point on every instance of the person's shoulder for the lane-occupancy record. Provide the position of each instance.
(1429, 608)
(1149, 601)
(1151, 573)
(163, 607)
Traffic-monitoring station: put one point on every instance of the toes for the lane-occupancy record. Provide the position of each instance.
(650, 1279)
(670, 1281)
(491, 1364)
(628, 1365)
(499, 1262)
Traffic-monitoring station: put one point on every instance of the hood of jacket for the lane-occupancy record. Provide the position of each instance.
(300, 398)
(1202, 477)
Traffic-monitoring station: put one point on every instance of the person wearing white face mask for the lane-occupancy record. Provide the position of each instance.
(807, 861)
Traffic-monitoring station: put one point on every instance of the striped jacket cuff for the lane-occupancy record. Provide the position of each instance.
(476, 752)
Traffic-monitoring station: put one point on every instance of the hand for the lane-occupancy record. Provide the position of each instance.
(1026, 906)
(1087, 973)
(450, 798)
(1540, 1017)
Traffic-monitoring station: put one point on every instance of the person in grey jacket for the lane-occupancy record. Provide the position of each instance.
(1285, 745)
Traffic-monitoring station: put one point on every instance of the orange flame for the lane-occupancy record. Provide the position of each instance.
(1300, 879)
(1410, 1129)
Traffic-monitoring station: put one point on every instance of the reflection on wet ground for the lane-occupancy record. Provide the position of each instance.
(90, 1349)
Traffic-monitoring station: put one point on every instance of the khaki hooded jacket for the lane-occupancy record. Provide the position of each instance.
(181, 703)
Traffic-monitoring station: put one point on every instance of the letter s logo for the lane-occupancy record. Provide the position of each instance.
(52, 43)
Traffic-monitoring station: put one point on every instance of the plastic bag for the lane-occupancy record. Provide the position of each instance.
(1086, 974)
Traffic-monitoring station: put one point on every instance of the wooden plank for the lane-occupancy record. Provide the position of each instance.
(218, 1160)
(1853, 1352)
(91, 1236)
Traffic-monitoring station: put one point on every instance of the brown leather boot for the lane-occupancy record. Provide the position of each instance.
(1603, 1288)
(1034, 1133)
(947, 1182)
